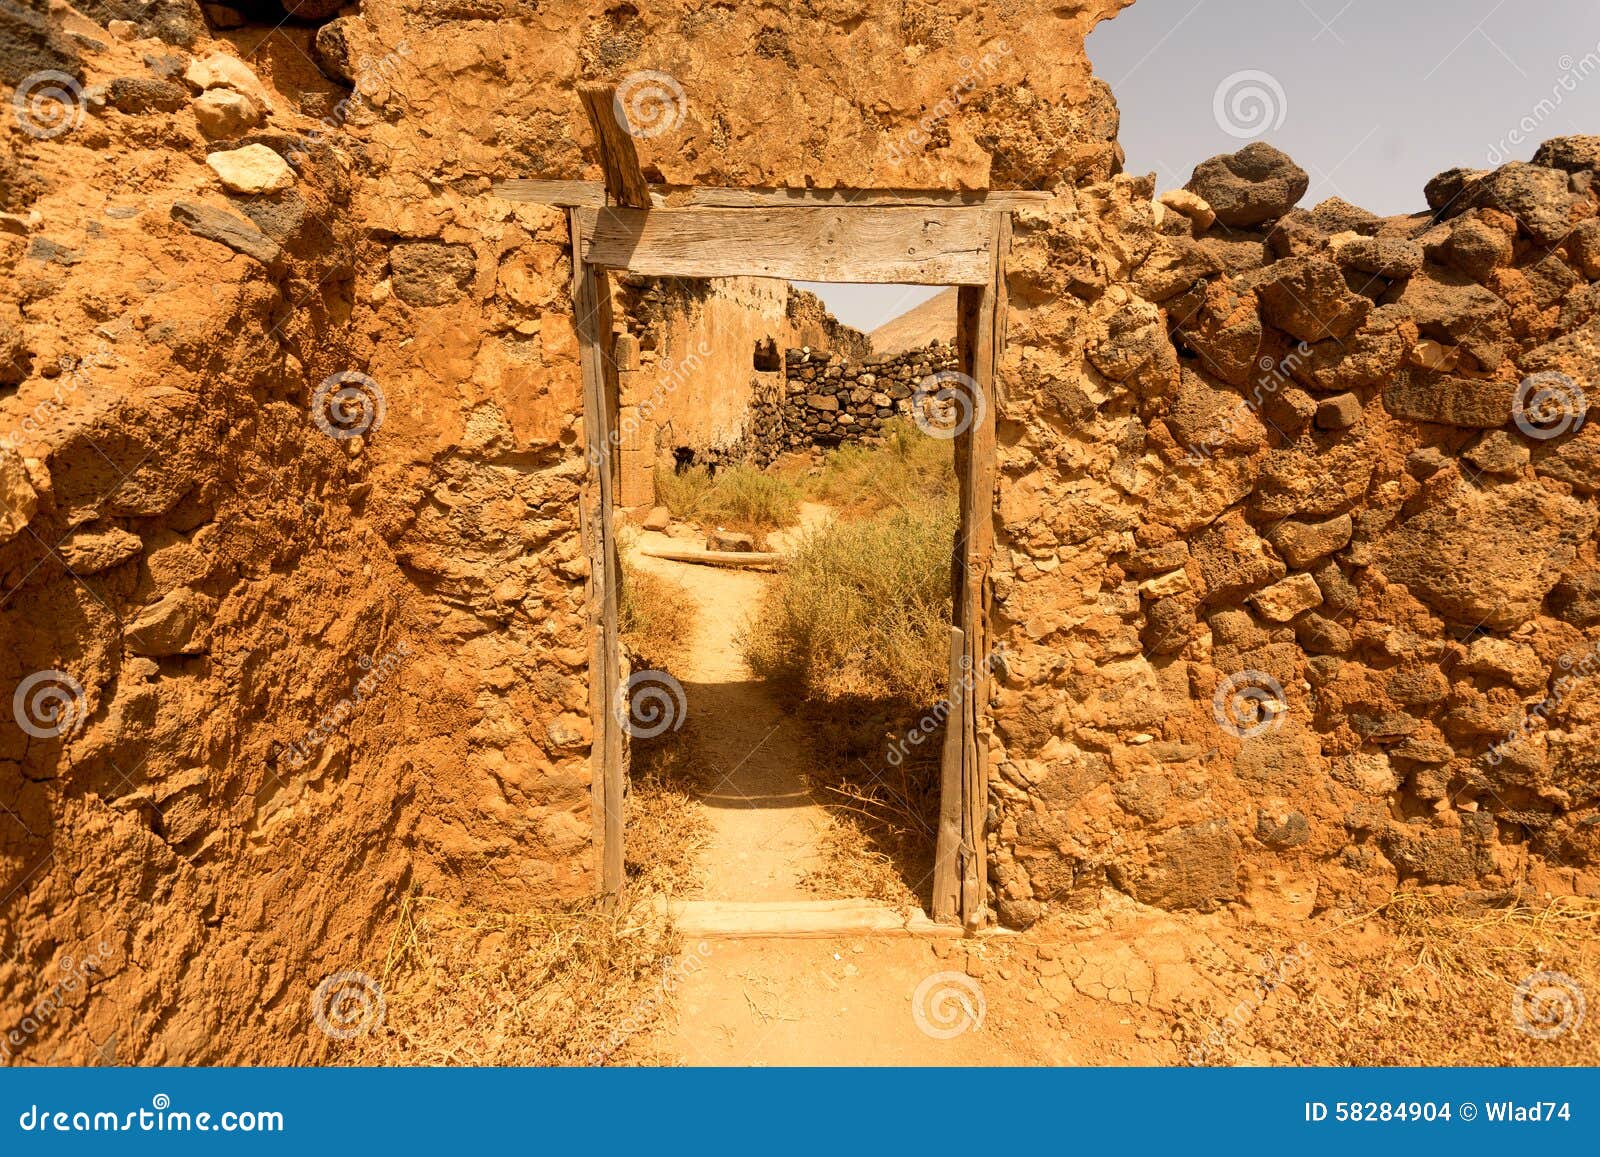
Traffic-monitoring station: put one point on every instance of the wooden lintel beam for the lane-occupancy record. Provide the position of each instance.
(993, 199)
(592, 195)
(934, 246)
(624, 179)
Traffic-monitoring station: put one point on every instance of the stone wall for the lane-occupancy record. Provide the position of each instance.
(1297, 523)
(700, 366)
(293, 601)
(829, 399)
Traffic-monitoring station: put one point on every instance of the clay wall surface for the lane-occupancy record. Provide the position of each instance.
(697, 351)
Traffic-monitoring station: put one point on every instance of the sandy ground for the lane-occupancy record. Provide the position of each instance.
(848, 1002)
(763, 822)
(1109, 982)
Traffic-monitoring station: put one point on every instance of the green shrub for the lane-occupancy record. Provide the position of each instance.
(862, 610)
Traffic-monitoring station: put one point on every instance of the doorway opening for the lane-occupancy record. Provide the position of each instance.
(792, 528)
(811, 636)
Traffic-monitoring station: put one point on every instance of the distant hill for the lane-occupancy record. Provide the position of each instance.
(933, 319)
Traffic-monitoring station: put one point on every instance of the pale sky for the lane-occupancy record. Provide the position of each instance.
(866, 307)
(1376, 95)
(1370, 97)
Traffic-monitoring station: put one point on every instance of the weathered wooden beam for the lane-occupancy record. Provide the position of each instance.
(619, 160)
(899, 245)
(999, 200)
(592, 195)
(565, 194)
(800, 920)
(591, 307)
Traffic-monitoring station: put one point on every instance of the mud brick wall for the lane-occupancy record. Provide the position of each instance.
(829, 399)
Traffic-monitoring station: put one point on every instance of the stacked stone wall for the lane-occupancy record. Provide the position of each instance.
(829, 399)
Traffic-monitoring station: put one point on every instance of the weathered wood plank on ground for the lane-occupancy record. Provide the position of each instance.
(752, 559)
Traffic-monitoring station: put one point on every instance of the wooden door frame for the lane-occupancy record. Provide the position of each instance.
(858, 241)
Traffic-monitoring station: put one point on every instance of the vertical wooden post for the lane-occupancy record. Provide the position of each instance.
(592, 309)
(982, 332)
(946, 905)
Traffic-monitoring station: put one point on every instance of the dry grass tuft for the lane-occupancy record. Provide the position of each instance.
(667, 824)
(905, 470)
(862, 609)
(739, 498)
(656, 617)
(573, 986)
(884, 826)
(1436, 984)
(854, 866)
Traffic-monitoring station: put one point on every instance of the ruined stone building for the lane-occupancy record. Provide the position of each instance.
(1293, 511)
(701, 371)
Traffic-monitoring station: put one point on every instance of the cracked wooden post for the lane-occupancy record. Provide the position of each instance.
(591, 310)
(619, 160)
(946, 902)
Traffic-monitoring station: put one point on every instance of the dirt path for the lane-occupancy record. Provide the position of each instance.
(763, 822)
(791, 1002)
